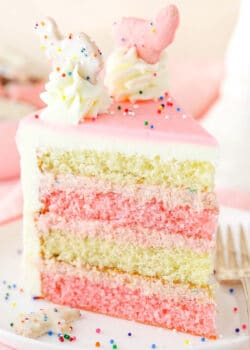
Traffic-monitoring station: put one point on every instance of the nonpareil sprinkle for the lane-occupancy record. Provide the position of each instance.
(61, 338)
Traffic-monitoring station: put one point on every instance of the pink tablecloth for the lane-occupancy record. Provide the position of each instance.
(10, 201)
(5, 347)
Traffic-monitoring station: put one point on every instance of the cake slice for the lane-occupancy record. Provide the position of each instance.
(119, 217)
(119, 209)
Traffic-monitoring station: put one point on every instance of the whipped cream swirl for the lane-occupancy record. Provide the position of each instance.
(128, 77)
(70, 98)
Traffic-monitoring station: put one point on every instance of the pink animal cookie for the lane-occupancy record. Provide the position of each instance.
(149, 37)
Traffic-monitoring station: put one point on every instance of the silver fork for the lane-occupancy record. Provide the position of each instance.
(231, 270)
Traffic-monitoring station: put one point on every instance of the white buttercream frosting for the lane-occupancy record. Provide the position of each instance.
(74, 91)
(128, 77)
(71, 98)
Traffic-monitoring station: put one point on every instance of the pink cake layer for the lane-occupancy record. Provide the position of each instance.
(184, 314)
(124, 211)
(114, 278)
(127, 123)
(134, 234)
(171, 197)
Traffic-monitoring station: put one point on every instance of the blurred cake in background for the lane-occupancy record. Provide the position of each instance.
(229, 119)
(203, 75)
(20, 87)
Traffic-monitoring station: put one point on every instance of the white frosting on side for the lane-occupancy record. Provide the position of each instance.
(71, 98)
(131, 78)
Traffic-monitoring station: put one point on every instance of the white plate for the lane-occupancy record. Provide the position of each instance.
(85, 330)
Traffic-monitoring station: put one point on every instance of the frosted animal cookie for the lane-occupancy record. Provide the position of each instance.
(137, 68)
(149, 38)
(78, 48)
(35, 324)
(75, 90)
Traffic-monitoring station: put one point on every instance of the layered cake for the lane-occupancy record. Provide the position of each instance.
(119, 205)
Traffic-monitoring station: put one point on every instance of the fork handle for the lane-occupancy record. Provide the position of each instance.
(246, 286)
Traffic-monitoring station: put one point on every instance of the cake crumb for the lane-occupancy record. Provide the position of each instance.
(36, 324)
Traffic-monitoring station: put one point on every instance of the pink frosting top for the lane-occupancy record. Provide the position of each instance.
(156, 121)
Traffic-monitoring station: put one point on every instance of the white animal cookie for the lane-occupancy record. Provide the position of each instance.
(77, 48)
(35, 324)
(75, 91)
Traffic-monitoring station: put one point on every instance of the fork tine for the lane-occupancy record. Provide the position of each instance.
(220, 257)
(245, 261)
(232, 259)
